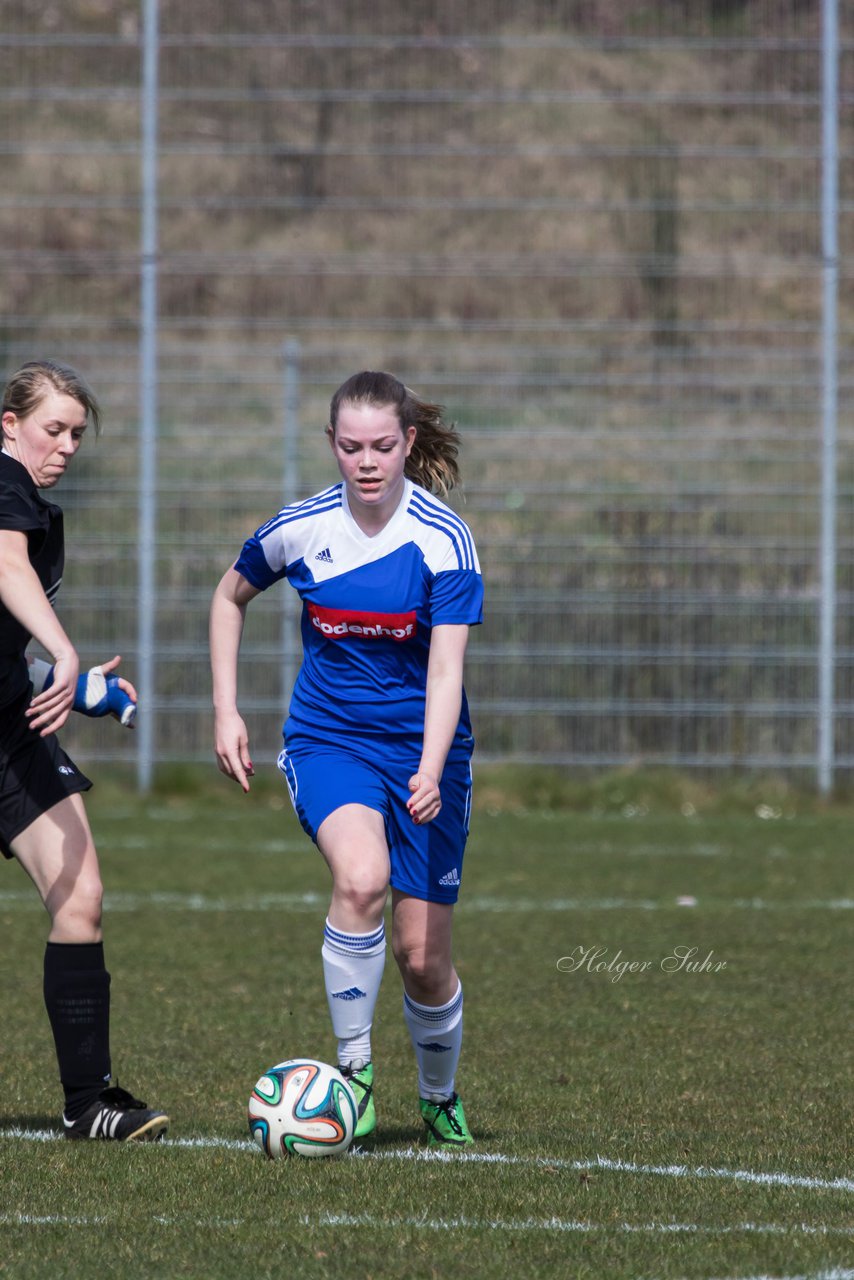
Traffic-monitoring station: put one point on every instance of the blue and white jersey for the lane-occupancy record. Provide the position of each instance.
(369, 607)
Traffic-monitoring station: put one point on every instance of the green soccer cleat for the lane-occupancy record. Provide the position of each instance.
(361, 1081)
(446, 1122)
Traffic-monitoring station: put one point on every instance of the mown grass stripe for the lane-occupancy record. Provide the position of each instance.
(27, 900)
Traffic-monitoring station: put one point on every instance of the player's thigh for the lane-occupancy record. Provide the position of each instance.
(322, 778)
(341, 798)
(58, 854)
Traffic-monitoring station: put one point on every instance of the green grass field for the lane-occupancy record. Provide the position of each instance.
(660, 1122)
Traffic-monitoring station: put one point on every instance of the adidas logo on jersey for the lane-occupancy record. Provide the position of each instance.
(352, 993)
(451, 880)
(65, 768)
(324, 556)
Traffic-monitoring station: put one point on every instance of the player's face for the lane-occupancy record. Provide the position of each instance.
(371, 451)
(47, 439)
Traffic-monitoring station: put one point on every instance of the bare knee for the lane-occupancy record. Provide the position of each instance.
(360, 895)
(75, 909)
(352, 840)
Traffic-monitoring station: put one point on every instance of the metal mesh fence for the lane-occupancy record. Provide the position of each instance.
(591, 229)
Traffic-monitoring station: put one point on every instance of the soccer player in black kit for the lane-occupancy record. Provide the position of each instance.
(47, 407)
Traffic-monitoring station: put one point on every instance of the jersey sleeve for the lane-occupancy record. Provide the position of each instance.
(456, 596)
(262, 559)
(17, 511)
(277, 546)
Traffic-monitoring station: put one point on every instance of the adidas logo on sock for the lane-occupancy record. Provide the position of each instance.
(325, 556)
(451, 879)
(433, 1046)
(352, 993)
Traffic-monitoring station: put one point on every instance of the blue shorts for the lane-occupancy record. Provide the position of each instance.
(426, 861)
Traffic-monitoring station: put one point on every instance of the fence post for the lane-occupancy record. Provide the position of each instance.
(830, 288)
(147, 547)
(290, 486)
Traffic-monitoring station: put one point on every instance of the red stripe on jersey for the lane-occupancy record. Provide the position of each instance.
(338, 624)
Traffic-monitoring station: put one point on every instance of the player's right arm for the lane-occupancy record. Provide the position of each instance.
(22, 594)
(228, 613)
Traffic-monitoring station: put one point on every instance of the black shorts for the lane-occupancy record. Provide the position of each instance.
(35, 773)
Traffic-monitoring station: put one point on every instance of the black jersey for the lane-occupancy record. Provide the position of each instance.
(23, 509)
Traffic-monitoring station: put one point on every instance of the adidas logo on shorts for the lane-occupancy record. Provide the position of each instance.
(451, 880)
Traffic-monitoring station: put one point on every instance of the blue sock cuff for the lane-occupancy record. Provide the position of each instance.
(430, 1013)
(353, 944)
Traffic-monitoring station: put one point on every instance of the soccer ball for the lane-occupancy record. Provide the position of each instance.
(302, 1107)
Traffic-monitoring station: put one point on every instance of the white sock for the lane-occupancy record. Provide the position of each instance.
(437, 1038)
(352, 970)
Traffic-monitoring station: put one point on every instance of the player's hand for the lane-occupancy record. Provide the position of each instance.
(98, 693)
(125, 685)
(425, 802)
(118, 706)
(231, 744)
(49, 711)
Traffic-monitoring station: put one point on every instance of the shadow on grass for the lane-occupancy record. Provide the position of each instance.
(397, 1136)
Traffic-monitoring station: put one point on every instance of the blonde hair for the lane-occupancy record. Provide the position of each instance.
(432, 461)
(26, 389)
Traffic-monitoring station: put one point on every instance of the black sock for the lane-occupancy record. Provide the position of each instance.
(77, 996)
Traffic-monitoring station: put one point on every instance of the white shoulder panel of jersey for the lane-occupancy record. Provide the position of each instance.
(327, 546)
(292, 532)
(434, 544)
(329, 550)
(444, 538)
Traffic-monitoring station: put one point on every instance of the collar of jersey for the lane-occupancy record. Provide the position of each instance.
(373, 539)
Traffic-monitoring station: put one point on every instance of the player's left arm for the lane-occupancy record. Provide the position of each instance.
(228, 614)
(441, 717)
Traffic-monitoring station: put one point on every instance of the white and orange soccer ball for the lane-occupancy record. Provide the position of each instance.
(302, 1107)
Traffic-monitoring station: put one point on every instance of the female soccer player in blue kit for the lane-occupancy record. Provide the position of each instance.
(378, 742)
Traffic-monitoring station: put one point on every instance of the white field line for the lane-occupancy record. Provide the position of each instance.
(426, 1154)
(624, 1166)
(27, 900)
(835, 1273)
(582, 1226)
(424, 1223)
